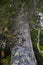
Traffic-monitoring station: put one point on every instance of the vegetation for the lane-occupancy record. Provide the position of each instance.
(41, 47)
(40, 5)
(6, 61)
(9, 9)
(41, 40)
(34, 36)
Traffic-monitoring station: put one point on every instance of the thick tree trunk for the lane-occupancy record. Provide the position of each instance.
(22, 53)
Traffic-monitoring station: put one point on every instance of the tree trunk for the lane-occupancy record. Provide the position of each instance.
(22, 53)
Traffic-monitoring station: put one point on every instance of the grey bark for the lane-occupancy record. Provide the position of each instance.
(22, 53)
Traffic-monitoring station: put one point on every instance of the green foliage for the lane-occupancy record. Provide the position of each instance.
(41, 47)
(33, 23)
(8, 58)
(34, 34)
(41, 40)
(4, 2)
(40, 5)
(6, 61)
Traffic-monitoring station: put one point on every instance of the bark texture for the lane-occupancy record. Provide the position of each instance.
(22, 53)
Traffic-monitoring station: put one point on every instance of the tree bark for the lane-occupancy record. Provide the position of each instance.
(22, 53)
